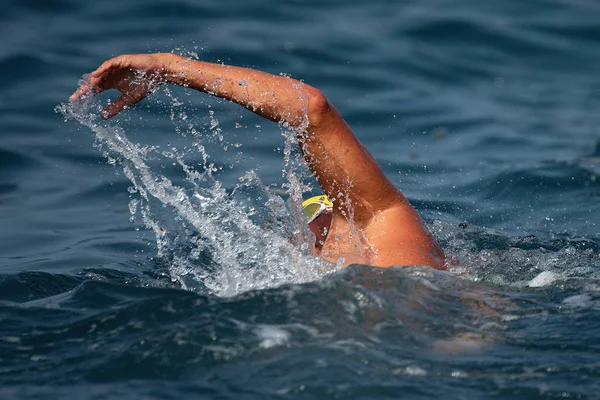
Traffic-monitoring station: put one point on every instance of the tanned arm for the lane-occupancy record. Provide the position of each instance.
(343, 167)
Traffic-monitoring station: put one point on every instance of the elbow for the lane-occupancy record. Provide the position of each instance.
(318, 106)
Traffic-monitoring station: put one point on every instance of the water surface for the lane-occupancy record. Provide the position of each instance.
(485, 115)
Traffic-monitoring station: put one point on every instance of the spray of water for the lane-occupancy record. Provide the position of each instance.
(216, 241)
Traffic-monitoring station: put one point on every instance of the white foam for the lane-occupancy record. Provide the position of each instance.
(272, 336)
(577, 301)
(545, 278)
(414, 371)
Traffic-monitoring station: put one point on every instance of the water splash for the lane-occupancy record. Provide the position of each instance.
(216, 241)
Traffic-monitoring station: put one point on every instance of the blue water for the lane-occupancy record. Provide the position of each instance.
(484, 114)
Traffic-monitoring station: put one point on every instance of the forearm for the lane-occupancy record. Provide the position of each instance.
(277, 98)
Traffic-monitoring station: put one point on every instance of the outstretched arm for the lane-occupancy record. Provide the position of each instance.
(342, 165)
(323, 134)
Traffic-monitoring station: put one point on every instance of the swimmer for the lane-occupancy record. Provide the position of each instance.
(362, 216)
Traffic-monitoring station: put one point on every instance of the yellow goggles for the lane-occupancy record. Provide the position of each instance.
(315, 206)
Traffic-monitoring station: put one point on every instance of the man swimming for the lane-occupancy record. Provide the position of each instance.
(362, 217)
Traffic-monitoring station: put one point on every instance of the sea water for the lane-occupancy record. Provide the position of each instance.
(160, 254)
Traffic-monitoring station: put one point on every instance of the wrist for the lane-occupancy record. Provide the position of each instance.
(166, 61)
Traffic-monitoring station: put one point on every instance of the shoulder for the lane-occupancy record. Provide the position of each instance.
(398, 236)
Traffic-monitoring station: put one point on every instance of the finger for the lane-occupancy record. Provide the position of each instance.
(118, 105)
(90, 85)
(97, 77)
(117, 62)
(114, 108)
(81, 91)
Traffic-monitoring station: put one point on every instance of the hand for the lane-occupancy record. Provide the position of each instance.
(464, 343)
(135, 76)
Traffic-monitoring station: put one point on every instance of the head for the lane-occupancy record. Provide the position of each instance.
(318, 211)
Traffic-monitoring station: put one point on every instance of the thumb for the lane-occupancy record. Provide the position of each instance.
(118, 105)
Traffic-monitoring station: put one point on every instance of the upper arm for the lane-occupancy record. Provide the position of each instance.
(344, 168)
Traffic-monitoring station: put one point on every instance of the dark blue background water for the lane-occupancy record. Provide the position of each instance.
(483, 113)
